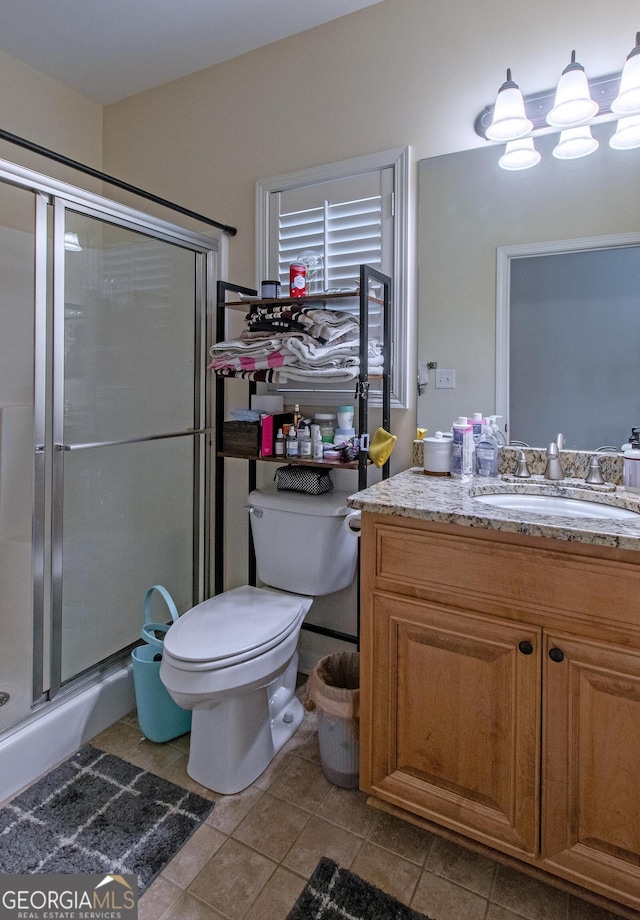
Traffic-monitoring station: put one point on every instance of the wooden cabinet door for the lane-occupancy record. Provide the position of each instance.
(591, 765)
(450, 725)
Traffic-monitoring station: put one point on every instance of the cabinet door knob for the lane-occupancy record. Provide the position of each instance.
(525, 647)
(556, 654)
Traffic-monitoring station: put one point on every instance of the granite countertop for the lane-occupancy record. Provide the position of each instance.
(440, 498)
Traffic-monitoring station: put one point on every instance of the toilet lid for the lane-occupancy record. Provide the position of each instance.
(242, 622)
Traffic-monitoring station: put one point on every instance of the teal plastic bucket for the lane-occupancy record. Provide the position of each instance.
(160, 718)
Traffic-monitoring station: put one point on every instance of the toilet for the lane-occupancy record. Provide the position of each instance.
(233, 658)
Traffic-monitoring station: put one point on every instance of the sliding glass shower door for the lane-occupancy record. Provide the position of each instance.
(17, 370)
(128, 465)
(105, 315)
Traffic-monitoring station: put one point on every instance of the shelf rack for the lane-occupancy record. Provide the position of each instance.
(248, 298)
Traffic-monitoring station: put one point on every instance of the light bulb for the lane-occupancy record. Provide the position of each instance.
(71, 242)
(509, 118)
(573, 104)
(575, 143)
(519, 154)
(627, 102)
(627, 135)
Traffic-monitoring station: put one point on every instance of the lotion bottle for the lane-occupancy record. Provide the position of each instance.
(631, 469)
(487, 450)
(477, 423)
(462, 453)
(495, 429)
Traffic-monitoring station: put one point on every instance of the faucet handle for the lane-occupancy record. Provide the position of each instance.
(594, 475)
(523, 471)
(560, 441)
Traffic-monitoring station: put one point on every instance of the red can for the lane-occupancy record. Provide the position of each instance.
(297, 279)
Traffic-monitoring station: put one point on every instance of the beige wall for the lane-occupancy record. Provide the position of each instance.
(401, 72)
(37, 108)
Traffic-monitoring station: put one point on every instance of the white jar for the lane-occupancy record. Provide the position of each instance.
(437, 455)
(327, 423)
(345, 416)
(631, 469)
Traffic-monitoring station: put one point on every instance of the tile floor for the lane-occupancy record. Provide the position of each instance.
(251, 858)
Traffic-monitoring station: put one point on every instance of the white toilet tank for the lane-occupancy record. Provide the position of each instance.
(301, 541)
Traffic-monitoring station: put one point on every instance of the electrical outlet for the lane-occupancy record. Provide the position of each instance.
(445, 379)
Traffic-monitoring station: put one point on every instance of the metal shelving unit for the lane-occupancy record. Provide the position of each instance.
(368, 276)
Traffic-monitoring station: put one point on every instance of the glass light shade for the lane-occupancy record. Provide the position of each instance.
(575, 143)
(509, 117)
(627, 134)
(627, 102)
(519, 154)
(573, 104)
(71, 242)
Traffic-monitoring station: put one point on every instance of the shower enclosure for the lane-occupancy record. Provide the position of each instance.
(104, 449)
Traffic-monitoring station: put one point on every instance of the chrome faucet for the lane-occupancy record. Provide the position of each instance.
(553, 469)
(594, 476)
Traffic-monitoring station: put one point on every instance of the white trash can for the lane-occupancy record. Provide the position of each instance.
(333, 691)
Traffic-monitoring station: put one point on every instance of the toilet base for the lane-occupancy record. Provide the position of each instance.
(235, 740)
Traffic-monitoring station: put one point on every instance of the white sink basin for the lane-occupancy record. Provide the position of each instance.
(556, 504)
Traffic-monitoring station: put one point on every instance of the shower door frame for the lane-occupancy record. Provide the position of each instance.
(53, 199)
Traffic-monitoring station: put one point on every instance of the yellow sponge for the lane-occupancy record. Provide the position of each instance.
(382, 443)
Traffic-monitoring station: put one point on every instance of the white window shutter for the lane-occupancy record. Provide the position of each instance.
(352, 213)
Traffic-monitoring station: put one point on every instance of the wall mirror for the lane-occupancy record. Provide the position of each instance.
(564, 236)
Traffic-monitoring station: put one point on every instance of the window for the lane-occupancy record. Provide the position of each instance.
(348, 213)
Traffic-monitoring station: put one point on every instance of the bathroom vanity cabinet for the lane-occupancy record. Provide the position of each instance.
(500, 694)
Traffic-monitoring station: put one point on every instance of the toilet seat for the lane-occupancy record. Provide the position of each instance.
(232, 627)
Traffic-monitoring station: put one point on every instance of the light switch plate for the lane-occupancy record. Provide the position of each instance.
(445, 379)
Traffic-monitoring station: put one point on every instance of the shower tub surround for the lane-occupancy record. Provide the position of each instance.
(58, 729)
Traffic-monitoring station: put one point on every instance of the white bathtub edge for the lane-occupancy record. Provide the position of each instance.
(60, 730)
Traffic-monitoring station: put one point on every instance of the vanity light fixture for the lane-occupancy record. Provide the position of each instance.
(627, 134)
(575, 143)
(520, 154)
(627, 102)
(575, 104)
(509, 119)
(71, 242)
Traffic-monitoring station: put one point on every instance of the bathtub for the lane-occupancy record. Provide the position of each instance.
(59, 728)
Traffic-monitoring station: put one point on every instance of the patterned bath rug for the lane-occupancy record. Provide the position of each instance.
(97, 813)
(333, 893)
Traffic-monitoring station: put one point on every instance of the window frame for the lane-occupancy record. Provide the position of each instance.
(398, 160)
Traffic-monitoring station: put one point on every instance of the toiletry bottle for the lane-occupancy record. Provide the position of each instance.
(317, 446)
(297, 415)
(462, 449)
(477, 422)
(495, 429)
(304, 443)
(631, 468)
(487, 451)
(279, 445)
(292, 444)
